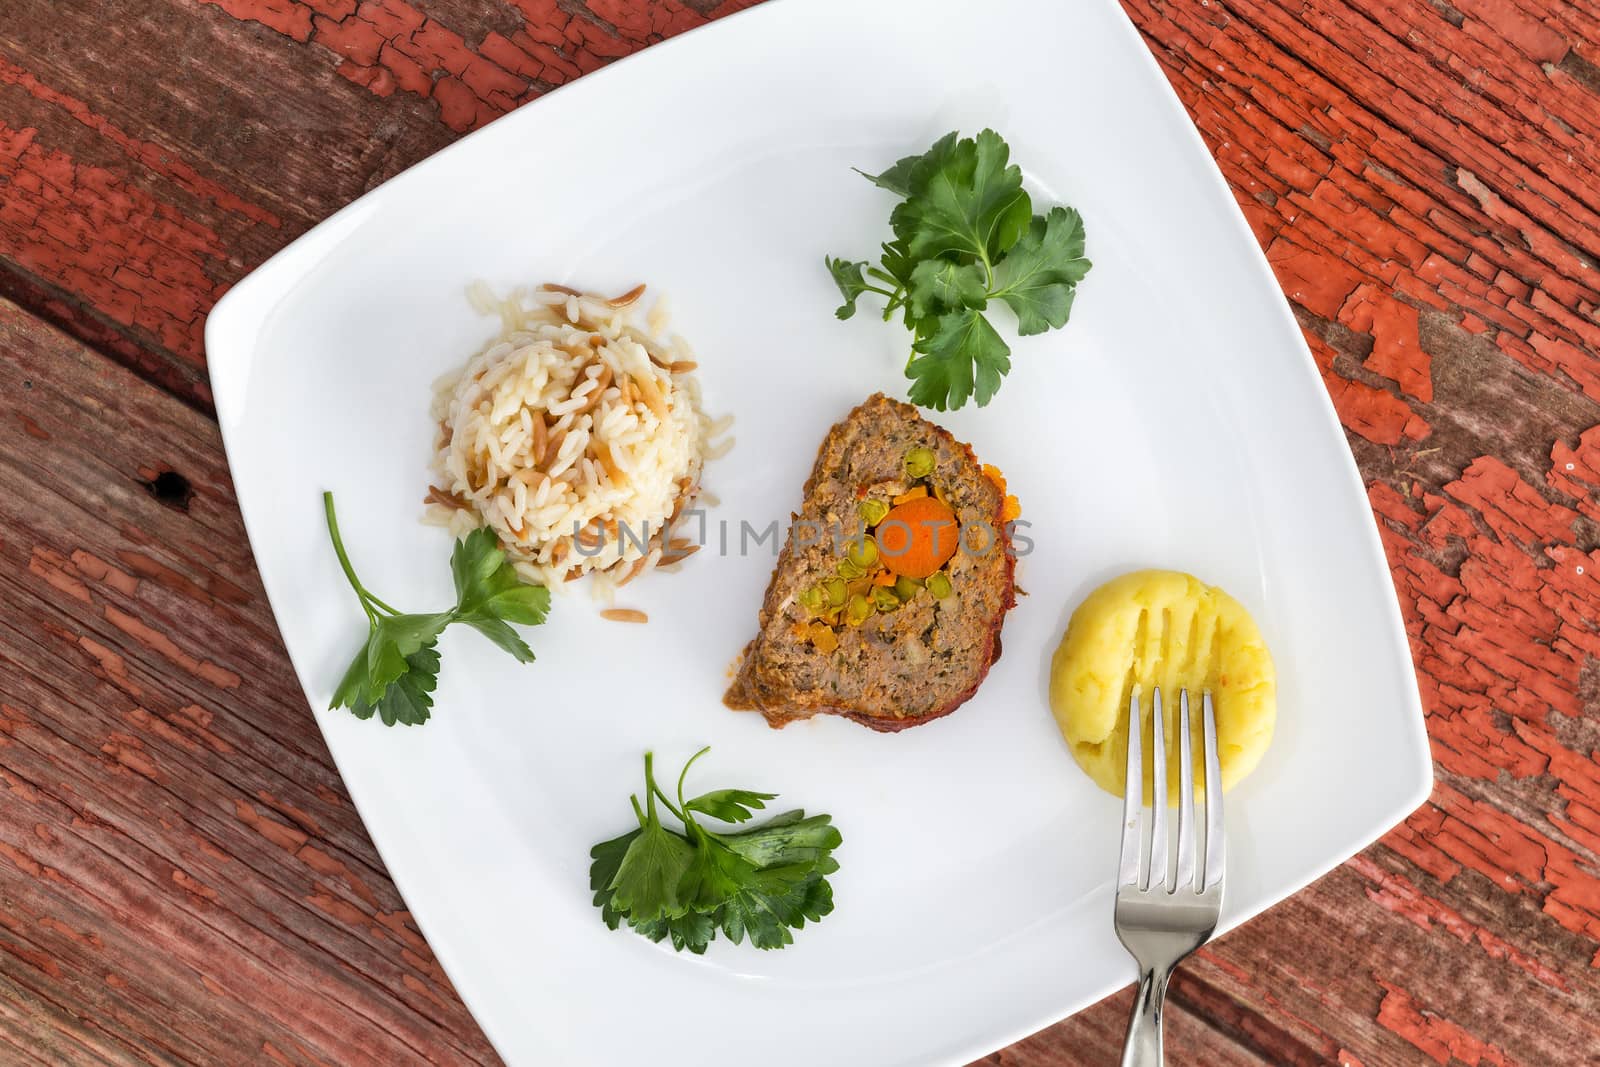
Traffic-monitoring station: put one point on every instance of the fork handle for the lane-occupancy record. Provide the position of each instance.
(1143, 1045)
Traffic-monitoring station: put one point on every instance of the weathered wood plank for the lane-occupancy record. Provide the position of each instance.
(152, 153)
(185, 878)
(1421, 177)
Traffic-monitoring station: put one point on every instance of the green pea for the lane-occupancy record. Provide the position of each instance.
(835, 589)
(858, 610)
(906, 587)
(919, 462)
(814, 599)
(849, 569)
(872, 511)
(863, 553)
(883, 599)
(938, 585)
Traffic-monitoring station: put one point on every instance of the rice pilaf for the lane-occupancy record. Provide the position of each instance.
(575, 435)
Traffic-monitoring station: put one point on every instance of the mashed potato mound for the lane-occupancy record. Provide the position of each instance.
(1169, 629)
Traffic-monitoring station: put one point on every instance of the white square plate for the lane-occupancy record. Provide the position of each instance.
(1177, 421)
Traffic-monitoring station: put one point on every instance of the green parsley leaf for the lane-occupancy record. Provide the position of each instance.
(1039, 276)
(730, 805)
(818, 900)
(897, 263)
(391, 641)
(646, 884)
(502, 635)
(488, 586)
(397, 670)
(408, 699)
(965, 234)
(692, 930)
(785, 840)
(766, 908)
(973, 204)
(351, 685)
(410, 632)
(940, 285)
(962, 357)
(911, 174)
(715, 874)
(847, 276)
(607, 856)
(759, 883)
(384, 663)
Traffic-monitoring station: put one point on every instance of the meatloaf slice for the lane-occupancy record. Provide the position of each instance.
(904, 666)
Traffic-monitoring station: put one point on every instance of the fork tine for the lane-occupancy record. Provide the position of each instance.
(1184, 877)
(1215, 857)
(1158, 796)
(1132, 799)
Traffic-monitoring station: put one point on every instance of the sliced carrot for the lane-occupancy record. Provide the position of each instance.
(915, 493)
(1011, 509)
(824, 639)
(883, 577)
(918, 537)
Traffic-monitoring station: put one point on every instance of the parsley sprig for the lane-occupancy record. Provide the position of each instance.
(762, 882)
(397, 670)
(965, 234)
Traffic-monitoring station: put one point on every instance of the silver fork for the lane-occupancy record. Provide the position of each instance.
(1161, 920)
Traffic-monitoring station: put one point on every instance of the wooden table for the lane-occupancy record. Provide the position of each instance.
(182, 877)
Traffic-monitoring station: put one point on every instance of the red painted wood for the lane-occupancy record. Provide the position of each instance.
(181, 876)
